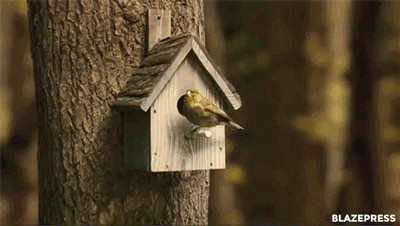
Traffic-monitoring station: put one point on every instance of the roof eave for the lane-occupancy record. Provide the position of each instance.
(176, 62)
(208, 64)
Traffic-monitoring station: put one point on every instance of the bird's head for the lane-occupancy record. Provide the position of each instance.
(188, 97)
(190, 92)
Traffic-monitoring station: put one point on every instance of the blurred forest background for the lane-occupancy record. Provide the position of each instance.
(320, 82)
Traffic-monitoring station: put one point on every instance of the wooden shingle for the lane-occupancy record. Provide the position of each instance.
(160, 65)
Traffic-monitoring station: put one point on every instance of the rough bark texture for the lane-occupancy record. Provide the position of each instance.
(84, 52)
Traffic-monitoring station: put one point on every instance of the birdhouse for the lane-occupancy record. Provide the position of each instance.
(155, 134)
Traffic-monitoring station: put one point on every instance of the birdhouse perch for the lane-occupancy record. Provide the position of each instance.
(156, 136)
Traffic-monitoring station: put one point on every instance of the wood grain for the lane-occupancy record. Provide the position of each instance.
(159, 24)
(160, 57)
(152, 70)
(192, 45)
(166, 76)
(160, 65)
(174, 42)
(217, 76)
(170, 150)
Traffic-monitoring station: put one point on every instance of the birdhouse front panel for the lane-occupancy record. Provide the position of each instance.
(171, 150)
(155, 133)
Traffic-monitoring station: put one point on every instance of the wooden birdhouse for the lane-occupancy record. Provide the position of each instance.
(155, 134)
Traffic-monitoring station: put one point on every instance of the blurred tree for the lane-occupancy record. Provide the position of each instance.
(358, 193)
(83, 53)
(288, 61)
(264, 48)
(223, 202)
(17, 120)
(327, 48)
(386, 109)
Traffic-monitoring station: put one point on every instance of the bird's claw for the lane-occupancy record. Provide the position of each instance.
(198, 132)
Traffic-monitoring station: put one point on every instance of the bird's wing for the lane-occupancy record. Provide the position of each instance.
(211, 108)
(204, 102)
(222, 116)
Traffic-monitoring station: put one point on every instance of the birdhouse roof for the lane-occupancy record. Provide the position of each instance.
(160, 65)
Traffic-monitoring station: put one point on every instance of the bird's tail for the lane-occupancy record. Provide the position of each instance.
(234, 124)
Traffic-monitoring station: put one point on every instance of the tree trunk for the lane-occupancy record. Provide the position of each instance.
(264, 52)
(84, 52)
(222, 208)
(385, 136)
(327, 48)
(358, 195)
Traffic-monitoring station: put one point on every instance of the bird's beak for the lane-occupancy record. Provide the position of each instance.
(188, 93)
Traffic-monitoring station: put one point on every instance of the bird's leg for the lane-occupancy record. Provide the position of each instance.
(199, 132)
(191, 134)
(196, 129)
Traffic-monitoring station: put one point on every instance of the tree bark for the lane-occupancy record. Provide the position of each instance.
(84, 52)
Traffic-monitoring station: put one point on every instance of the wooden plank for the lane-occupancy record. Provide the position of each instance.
(226, 87)
(159, 26)
(168, 74)
(160, 57)
(140, 86)
(126, 102)
(137, 140)
(170, 150)
(208, 65)
(152, 70)
(175, 42)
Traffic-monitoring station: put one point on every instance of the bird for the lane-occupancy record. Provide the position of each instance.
(201, 112)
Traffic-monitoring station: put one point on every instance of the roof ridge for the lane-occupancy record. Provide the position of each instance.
(166, 43)
(160, 65)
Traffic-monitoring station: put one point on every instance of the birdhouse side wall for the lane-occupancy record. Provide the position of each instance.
(137, 140)
(170, 149)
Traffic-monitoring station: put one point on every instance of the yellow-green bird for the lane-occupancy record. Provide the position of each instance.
(201, 112)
